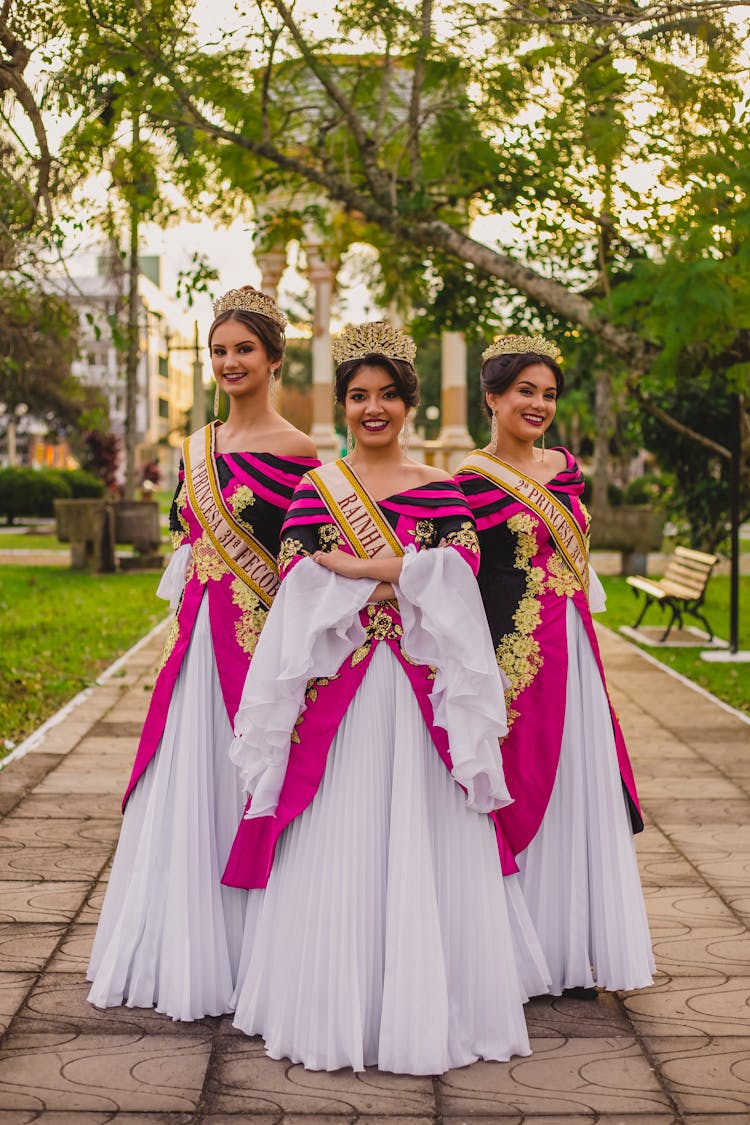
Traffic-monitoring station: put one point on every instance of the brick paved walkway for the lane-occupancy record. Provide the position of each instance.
(679, 1052)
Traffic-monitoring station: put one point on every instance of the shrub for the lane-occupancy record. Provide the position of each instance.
(83, 485)
(31, 492)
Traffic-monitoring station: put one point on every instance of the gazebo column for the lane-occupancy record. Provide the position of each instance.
(322, 270)
(454, 434)
(272, 264)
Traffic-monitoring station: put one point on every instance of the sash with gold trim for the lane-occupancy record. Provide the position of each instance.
(355, 511)
(562, 525)
(234, 543)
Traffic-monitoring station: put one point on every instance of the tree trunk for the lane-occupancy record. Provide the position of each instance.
(603, 430)
(134, 348)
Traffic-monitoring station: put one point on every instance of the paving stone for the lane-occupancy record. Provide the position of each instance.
(23, 774)
(62, 863)
(244, 1080)
(58, 1010)
(27, 946)
(563, 1076)
(125, 1072)
(16, 830)
(547, 1016)
(41, 902)
(692, 1006)
(70, 806)
(13, 990)
(672, 814)
(704, 1075)
(75, 950)
(52, 1117)
(113, 728)
(695, 934)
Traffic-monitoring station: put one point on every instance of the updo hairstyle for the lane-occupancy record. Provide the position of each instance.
(403, 374)
(499, 372)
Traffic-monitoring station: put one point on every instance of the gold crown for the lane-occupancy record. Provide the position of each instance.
(252, 301)
(377, 338)
(514, 345)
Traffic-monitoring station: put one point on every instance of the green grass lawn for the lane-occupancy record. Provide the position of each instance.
(731, 682)
(61, 628)
(12, 541)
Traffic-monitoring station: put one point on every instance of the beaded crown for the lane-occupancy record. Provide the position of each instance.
(252, 301)
(376, 338)
(514, 345)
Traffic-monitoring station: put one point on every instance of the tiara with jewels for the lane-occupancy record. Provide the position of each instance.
(252, 301)
(513, 345)
(357, 341)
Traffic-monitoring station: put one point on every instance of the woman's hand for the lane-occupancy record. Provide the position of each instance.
(348, 566)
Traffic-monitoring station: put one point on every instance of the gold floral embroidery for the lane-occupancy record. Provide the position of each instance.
(424, 534)
(242, 498)
(181, 502)
(247, 629)
(518, 654)
(171, 640)
(208, 562)
(311, 691)
(329, 537)
(288, 549)
(465, 537)
(379, 627)
(560, 578)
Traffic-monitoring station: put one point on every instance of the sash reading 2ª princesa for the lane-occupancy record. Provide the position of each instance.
(241, 551)
(354, 510)
(563, 527)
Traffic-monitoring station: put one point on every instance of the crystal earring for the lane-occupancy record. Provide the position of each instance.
(349, 441)
(217, 400)
(272, 389)
(493, 433)
(403, 437)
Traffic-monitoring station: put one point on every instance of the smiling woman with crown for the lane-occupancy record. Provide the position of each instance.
(570, 829)
(169, 934)
(377, 930)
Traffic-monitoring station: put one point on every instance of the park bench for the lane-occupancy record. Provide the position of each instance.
(681, 589)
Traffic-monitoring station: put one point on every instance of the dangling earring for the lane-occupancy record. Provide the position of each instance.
(403, 437)
(217, 400)
(349, 441)
(272, 389)
(493, 433)
(542, 446)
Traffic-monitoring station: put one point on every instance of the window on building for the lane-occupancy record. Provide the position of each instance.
(163, 408)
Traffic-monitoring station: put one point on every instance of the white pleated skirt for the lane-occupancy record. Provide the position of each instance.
(383, 936)
(170, 934)
(580, 874)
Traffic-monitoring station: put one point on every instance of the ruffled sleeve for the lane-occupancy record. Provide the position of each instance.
(311, 628)
(597, 593)
(445, 626)
(173, 579)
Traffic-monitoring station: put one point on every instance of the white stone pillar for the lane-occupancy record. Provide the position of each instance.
(454, 434)
(321, 270)
(272, 264)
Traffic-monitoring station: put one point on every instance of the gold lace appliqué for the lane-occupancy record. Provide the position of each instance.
(560, 578)
(329, 537)
(465, 537)
(180, 506)
(171, 640)
(518, 653)
(248, 627)
(288, 549)
(208, 562)
(379, 627)
(424, 534)
(241, 499)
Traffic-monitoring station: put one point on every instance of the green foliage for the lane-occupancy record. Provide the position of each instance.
(31, 492)
(83, 485)
(699, 498)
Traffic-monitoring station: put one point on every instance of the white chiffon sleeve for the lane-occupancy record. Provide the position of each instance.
(597, 593)
(445, 626)
(311, 628)
(173, 579)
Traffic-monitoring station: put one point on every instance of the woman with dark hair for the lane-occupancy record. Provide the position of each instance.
(575, 807)
(169, 933)
(377, 931)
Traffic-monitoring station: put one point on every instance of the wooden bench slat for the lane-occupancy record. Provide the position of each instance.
(697, 556)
